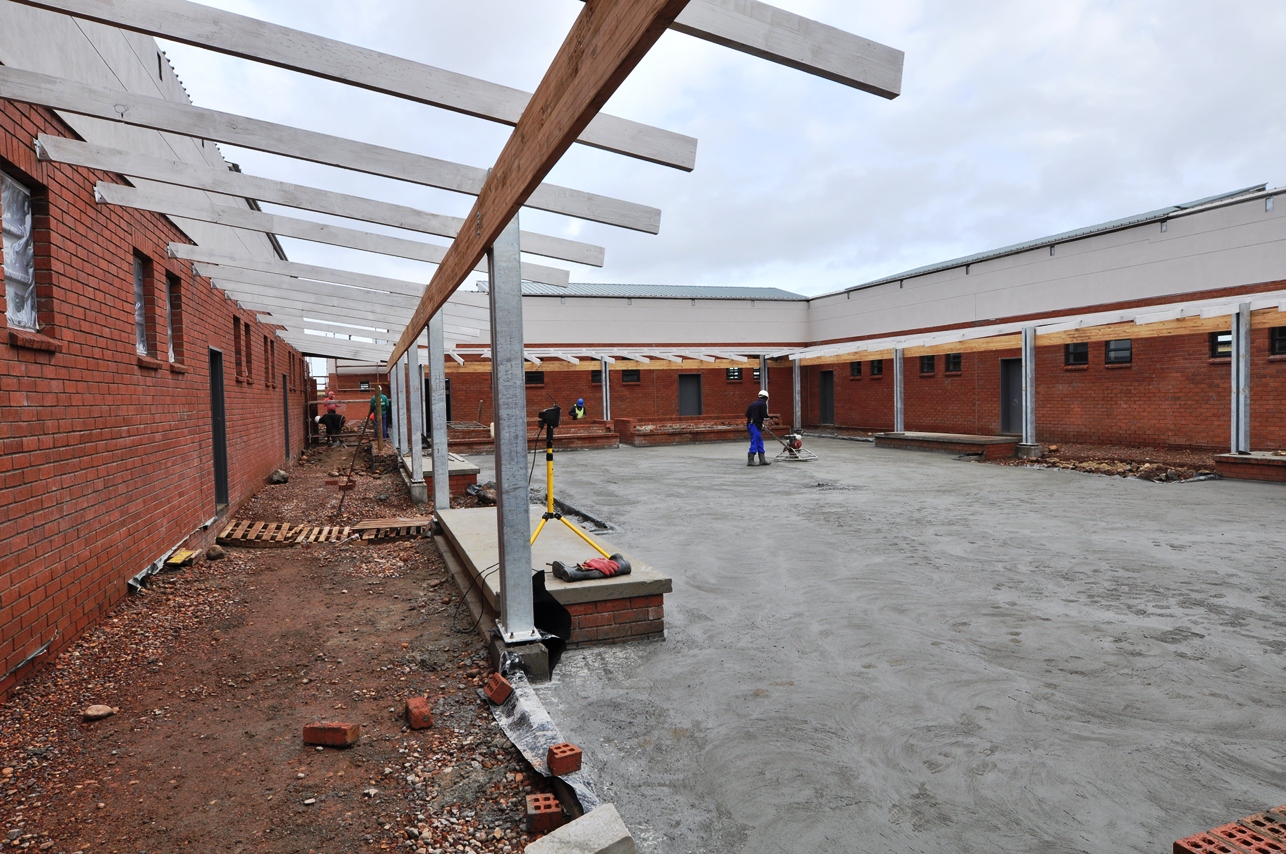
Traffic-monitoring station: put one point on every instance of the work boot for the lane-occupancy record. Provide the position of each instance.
(750, 458)
(763, 461)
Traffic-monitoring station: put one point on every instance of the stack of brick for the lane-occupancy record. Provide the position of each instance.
(617, 620)
(1261, 833)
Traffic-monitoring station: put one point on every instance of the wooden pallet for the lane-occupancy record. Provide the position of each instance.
(268, 535)
(394, 529)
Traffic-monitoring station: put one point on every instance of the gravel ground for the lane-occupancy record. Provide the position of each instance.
(216, 668)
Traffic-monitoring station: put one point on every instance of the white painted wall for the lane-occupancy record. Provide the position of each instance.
(57, 45)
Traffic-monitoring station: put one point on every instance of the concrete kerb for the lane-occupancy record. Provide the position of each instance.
(599, 832)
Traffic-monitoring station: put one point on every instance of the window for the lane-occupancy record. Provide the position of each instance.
(877, 367)
(19, 253)
(140, 304)
(272, 360)
(1220, 345)
(927, 364)
(1120, 352)
(733, 375)
(755, 375)
(954, 364)
(1277, 341)
(596, 377)
(1076, 354)
(236, 343)
(363, 385)
(267, 362)
(631, 376)
(535, 377)
(250, 370)
(173, 314)
(854, 369)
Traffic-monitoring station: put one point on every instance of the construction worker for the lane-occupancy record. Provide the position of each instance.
(578, 411)
(380, 401)
(755, 415)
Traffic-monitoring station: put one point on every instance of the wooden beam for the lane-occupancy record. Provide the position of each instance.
(239, 184)
(300, 229)
(159, 114)
(272, 44)
(606, 42)
(788, 39)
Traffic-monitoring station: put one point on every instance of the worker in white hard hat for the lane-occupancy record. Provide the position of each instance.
(755, 415)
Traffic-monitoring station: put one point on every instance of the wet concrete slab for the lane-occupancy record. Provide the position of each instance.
(890, 651)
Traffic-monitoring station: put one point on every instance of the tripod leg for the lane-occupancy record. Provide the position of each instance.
(584, 536)
(536, 533)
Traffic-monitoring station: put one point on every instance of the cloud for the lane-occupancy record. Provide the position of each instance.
(1016, 120)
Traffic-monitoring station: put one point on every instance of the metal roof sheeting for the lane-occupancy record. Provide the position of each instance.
(1075, 234)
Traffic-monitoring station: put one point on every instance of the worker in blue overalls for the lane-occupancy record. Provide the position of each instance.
(755, 415)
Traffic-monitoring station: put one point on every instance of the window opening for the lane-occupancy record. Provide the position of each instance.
(877, 367)
(1220, 344)
(1120, 352)
(631, 376)
(535, 377)
(928, 364)
(954, 363)
(1277, 341)
(140, 304)
(19, 254)
(733, 374)
(854, 369)
(1076, 354)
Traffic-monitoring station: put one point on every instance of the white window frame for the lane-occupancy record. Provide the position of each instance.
(19, 254)
(169, 315)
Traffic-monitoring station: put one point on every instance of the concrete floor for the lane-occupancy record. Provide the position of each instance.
(897, 651)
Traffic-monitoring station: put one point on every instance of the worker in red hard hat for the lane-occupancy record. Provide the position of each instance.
(755, 415)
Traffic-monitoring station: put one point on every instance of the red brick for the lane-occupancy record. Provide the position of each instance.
(332, 734)
(1248, 839)
(418, 714)
(498, 689)
(1204, 843)
(563, 758)
(544, 813)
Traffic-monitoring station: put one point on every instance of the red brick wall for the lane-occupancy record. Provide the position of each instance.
(1172, 393)
(106, 458)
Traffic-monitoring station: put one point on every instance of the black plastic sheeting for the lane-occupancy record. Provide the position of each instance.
(524, 719)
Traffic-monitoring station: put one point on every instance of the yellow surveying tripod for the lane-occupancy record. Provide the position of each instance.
(549, 418)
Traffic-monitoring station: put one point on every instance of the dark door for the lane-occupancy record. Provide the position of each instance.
(428, 405)
(285, 410)
(219, 430)
(826, 397)
(689, 394)
(1011, 395)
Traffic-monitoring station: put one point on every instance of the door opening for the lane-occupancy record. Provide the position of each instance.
(689, 394)
(1011, 396)
(219, 431)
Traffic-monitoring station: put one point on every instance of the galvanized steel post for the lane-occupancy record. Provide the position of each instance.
(416, 401)
(509, 403)
(395, 409)
(1241, 379)
(438, 413)
(899, 389)
(607, 390)
(1029, 385)
(763, 373)
(795, 375)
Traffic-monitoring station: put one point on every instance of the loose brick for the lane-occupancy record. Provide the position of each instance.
(544, 813)
(1248, 839)
(418, 714)
(1204, 843)
(332, 734)
(563, 758)
(498, 689)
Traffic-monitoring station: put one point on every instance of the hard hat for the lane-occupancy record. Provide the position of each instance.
(580, 401)
(763, 392)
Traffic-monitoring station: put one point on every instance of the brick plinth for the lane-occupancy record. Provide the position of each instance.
(617, 620)
(985, 450)
(1241, 467)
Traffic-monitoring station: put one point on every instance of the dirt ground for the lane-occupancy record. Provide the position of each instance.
(216, 668)
(1158, 464)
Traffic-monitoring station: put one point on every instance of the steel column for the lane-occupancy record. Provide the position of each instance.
(763, 373)
(799, 409)
(415, 400)
(395, 397)
(899, 388)
(607, 390)
(438, 413)
(1241, 379)
(1029, 385)
(509, 402)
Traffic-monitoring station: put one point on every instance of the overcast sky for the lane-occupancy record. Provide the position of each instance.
(1017, 120)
